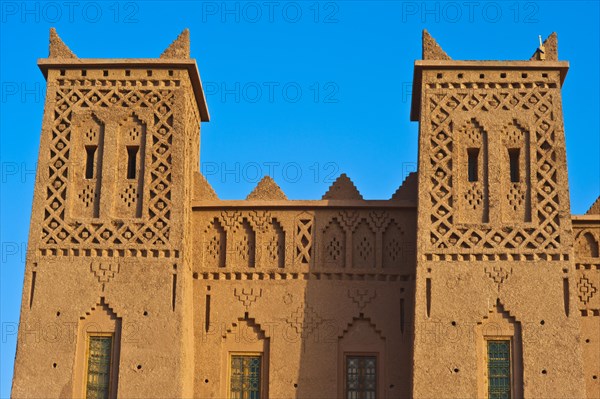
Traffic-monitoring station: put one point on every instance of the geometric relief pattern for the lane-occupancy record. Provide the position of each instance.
(247, 296)
(516, 196)
(214, 245)
(586, 290)
(362, 297)
(132, 133)
(274, 253)
(103, 94)
(393, 247)
(87, 183)
(586, 246)
(304, 320)
(104, 272)
(474, 202)
(244, 245)
(537, 101)
(474, 197)
(129, 195)
(516, 204)
(303, 237)
(87, 195)
(363, 246)
(498, 274)
(334, 245)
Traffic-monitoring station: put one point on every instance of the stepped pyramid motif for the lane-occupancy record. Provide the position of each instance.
(473, 280)
(266, 190)
(343, 189)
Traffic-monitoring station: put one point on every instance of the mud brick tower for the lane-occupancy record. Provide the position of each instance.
(495, 237)
(472, 280)
(110, 238)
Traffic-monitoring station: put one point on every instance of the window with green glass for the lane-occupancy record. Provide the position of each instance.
(361, 377)
(498, 355)
(245, 376)
(98, 367)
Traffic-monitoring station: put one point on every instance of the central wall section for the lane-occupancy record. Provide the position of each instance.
(302, 294)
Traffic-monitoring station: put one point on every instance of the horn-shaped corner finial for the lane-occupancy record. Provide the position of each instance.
(548, 51)
(180, 48)
(432, 50)
(58, 49)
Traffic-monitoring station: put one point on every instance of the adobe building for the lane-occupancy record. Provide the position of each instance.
(472, 280)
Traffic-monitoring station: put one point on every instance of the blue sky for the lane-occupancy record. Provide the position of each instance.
(303, 91)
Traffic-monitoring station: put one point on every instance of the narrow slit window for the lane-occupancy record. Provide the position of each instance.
(473, 156)
(513, 155)
(98, 367)
(132, 162)
(90, 153)
(499, 366)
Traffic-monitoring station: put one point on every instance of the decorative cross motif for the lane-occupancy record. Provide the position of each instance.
(304, 320)
(586, 290)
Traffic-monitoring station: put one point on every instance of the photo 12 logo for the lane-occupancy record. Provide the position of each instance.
(70, 11)
(470, 11)
(23, 92)
(253, 172)
(270, 12)
(273, 92)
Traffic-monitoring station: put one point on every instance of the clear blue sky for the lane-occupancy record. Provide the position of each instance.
(304, 90)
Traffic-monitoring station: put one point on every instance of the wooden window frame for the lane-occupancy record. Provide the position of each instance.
(377, 370)
(511, 364)
(112, 360)
(263, 371)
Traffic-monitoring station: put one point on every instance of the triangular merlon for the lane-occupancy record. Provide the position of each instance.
(265, 190)
(202, 188)
(408, 189)
(342, 189)
(57, 48)
(431, 49)
(595, 208)
(180, 48)
(548, 51)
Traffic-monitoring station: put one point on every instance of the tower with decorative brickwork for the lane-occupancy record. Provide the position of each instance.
(472, 280)
(109, 240)
(495, 253)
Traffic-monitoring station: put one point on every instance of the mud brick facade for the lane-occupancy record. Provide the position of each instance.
(472, 280)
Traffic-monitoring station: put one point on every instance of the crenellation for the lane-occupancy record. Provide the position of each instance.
(156, 287)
